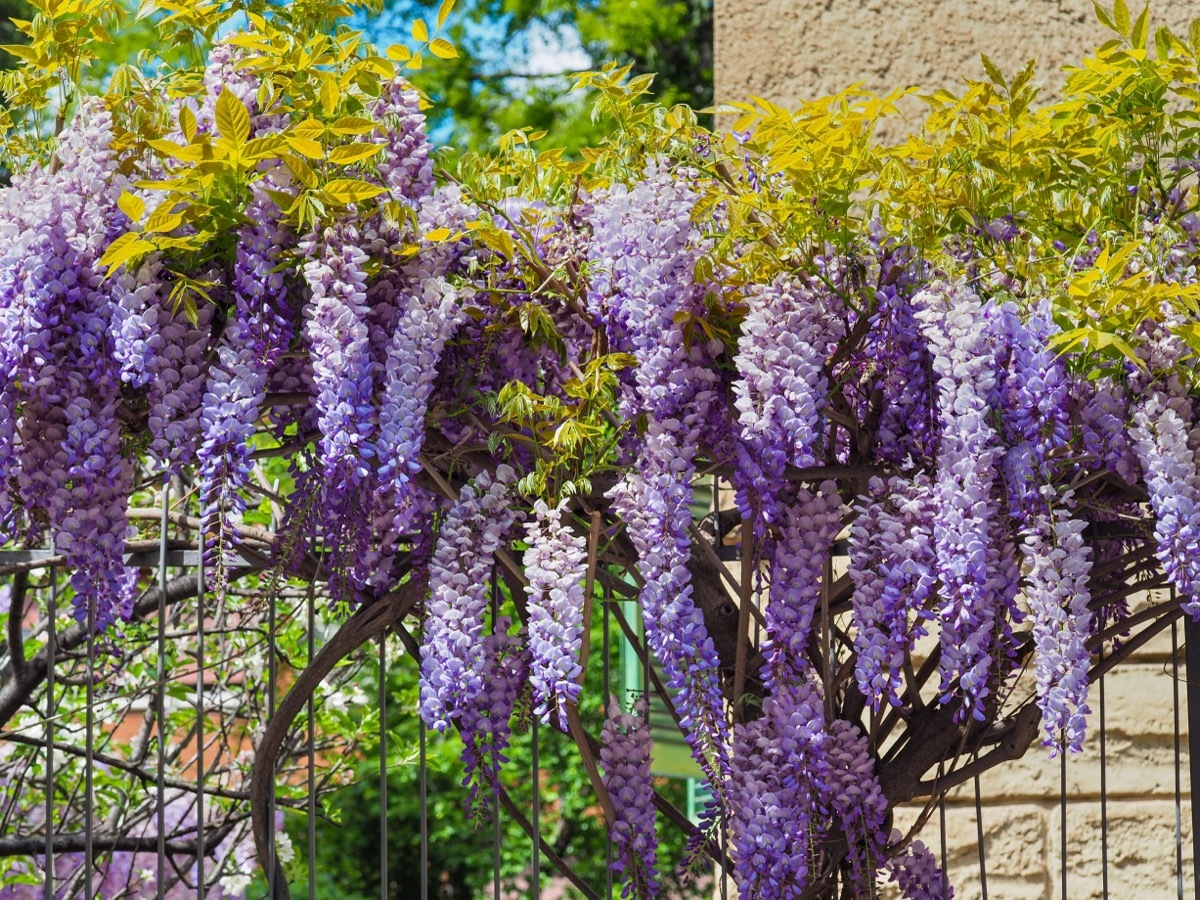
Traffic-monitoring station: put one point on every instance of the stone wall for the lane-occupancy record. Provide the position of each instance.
(784, 50)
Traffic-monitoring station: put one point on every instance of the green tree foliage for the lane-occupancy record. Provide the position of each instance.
(489, 89)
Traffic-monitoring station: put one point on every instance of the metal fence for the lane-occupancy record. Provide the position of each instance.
(140, 764)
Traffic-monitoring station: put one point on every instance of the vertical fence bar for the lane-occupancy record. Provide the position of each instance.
(537, 811)
(383, 772)
(273, 889)
(51, 638)
(312, 756)
(1191, 640)
(942, 830)
(200, 587)
(160, 702)
(494, 601)
(1103, 789)
(1062, 802)
(608, 845)
(423, 788)
(979, 838)
(89, 798)
(1178, 766)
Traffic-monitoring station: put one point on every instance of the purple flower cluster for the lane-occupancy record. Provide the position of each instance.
(853, 794)
(625, 747)
(953, 322)
(1164, 437)
(1057, 588)
(897, 350)
(653, 501)
(555, 563)
(1103, 415)
(453, 658)
(774, 791)
(798, 560)
(894, 567)
(336, 330)
(918, 876)
(404, 165)
(485, 718)
(788, 332)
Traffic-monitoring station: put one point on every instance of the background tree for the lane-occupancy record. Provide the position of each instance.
(515, 58)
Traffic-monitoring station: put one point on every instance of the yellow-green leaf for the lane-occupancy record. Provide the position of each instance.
(299, 168)
(233, 119)
(437, 235)
(415, 62)
(352, 153)
(187, 123)
(306, 147)
(125, 248)
(132, 206)
(443, 49)
(330, 94)
(352, 125)
(162, 220)
(399, 53)
(1140, 29)
(1121, 16)
(419, 31)
(444, 12)
(350, 190)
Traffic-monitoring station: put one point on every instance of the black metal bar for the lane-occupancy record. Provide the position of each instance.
(312, 759)
(608, 845)
(1103, 790)
(942, 829)
(536, 891)
(200, 722)
(147, 559)
(1191, 640)
(1062, 794)
(51, 613)
(89, 798)
(1178, 760)
(274, 889)
(383, 770)
(979, 838)
(423, 789)
(160, 701)
(494, 600)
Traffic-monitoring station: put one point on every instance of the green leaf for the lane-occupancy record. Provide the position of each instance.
(352, 153)
(1104, 17)
(1121, 17)
(350, 190)
(233, 119)
(993, 71)
(1141, 29)
(124, 249)
(132, 206)
(443, 49)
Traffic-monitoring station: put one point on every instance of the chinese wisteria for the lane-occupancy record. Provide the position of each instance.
(862, 493)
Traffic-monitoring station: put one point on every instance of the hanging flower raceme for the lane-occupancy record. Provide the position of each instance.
(452, 653)
(625, 746)
(853, 793)
(894, 567)
(798, 559)
(775, 788)
(485, 718)
(1164, 435)
(917, 875)
(952, 321)
(555, 564)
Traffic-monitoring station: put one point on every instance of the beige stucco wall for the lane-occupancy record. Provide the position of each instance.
(783, 50)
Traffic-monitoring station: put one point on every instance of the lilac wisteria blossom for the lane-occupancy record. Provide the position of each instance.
(952, 321)
(485, 718)
(1163, 436)
(894, 567)
(853, 793)
(453, 658)
(644, 252)
(917, 874)
(555, 565)
(625, 747)
(798, 560)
